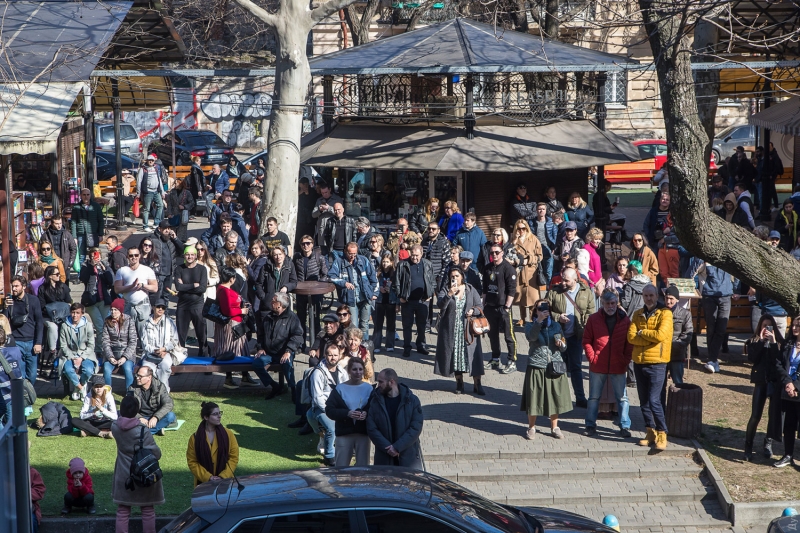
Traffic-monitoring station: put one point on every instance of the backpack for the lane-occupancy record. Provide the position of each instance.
(145, 470)
(28, 392)
(305, 388)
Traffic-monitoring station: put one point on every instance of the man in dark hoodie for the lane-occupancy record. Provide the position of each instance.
(732, 213)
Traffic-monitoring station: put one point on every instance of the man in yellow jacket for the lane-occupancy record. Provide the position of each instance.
(650, 333)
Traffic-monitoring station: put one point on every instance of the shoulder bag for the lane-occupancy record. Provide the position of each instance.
(476, 326)
(554, 369)
(212, 312)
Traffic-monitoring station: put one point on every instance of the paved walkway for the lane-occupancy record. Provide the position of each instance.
(478, 442)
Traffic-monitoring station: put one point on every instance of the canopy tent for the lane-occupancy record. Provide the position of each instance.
(463, 45)
(783, 117)
(749, 82)
(555, 146)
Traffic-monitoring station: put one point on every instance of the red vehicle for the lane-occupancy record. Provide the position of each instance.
(653, 153)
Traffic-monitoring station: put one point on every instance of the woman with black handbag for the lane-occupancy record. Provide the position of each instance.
(787, 368)
(230, 340)
(454, 355)
(545, 390)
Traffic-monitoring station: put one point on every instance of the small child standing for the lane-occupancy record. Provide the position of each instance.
(79, 488)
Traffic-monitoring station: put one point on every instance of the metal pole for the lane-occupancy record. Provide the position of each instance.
(601, 123)
(469, 115)
(89, 140)
(172, 129)
(5, 222)
(327, 103)
(22, 473)
(116, 104)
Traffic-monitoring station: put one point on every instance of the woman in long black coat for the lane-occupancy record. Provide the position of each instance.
(453, 354)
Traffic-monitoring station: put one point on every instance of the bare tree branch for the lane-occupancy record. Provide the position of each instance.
(327, 9)
(259, 12)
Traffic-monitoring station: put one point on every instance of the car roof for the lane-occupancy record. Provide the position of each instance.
(334, 487)
(649, 141)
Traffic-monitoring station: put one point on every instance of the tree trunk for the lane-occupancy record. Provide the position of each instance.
(292, 79)
(520, 17)
(359, 26)
(551, 22)
(706, 37)
(703, 233)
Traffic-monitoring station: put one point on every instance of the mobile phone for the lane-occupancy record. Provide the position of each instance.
(616, 200)
(453, 282)
(769, 328)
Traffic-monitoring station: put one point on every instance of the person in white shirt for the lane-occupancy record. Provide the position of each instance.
(98, 412)
(134, 282)
(160, 344)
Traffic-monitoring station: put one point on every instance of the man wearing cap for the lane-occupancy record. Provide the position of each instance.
(160, 343)
(216, 182)
(569, 245)
(465, 260)
(150, 188)
(717, 189)
(682, 331)
(134, 283)
(331, 328)
(191, 282)
(167, 255)
(87, 223)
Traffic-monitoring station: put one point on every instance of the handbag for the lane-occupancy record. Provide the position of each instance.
(56, 312)
(476, 326)
(212, 312)
(240, 329)
(184, 217)
(554, 369)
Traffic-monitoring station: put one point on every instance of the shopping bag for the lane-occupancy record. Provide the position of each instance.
(136, 207)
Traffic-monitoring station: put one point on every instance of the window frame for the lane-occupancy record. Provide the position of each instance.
(355, 526)
(612, 87)
(362, 518)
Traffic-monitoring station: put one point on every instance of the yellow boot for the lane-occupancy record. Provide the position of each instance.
(661, 440)
(649, 438)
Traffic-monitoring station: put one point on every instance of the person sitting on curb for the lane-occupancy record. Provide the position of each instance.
(155, 403)
(279, 341)
(160, 344)
(650, 333)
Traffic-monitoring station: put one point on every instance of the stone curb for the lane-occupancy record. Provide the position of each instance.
(759, 513)
(543, 475)
(555, 454)
(627, 497)
(724, 497)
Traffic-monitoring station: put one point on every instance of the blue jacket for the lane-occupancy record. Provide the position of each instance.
(219, 183)
(718, 282)
(455, 223)
(13, 356)
(472, 240)
(770, 306)
(582, 217)
(360, 273)
(239, 227)
(550, 230)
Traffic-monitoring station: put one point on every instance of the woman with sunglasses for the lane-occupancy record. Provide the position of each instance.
(345, 320)
(309, 265)
(640, 251)
(52, 290)
(454, 355)
(542, 393)
(48, 257)
(451, 221)
(529, 253)
(149, 258)
(430, 211)
(375, 250)
(213, 451)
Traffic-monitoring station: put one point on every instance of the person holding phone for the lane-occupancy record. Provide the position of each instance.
(787, 373)
(542, 393)
(763, 350)
(454, 355)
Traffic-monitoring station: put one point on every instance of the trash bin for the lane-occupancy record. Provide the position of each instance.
(684, 410)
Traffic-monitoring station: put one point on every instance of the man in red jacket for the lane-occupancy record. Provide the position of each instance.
(605, 340)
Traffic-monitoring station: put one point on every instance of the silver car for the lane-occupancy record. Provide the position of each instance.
(129, 141)
(726, 141)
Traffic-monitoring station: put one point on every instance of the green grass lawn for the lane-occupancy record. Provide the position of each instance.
(265, 445)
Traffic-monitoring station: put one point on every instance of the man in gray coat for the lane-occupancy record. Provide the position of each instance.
(682, 331)
(394, 423)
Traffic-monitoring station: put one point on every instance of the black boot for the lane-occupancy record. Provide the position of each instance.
(767, 447)
(477, 389)
(459, 385)
(748, 451)
(306, 430)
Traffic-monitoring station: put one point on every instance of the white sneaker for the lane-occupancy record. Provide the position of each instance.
(709, 368)
(321, 445)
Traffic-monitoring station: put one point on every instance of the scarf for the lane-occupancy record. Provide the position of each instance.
(791, 225)
(203, 451)
(49, 259)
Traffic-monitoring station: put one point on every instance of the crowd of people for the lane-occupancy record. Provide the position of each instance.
(438, 271)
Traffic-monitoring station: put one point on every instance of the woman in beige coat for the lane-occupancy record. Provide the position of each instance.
(127, 430)
(529, 251)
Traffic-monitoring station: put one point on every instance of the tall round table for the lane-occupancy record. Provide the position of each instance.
(312, 288)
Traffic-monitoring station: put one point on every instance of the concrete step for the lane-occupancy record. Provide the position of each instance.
(599, 491)
(661, 467)
(563, 452)
(704, 516)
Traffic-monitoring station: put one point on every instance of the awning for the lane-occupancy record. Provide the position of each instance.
(31, 116)
(562, 145)
(749, 83)
(781, 118)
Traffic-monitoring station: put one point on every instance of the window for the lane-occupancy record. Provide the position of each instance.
(254, 525)
(616, 89)
(741, 133)
(390, 521)
(329, 522)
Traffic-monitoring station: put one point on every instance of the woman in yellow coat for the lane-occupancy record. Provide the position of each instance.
(213, 452)
(529, 251)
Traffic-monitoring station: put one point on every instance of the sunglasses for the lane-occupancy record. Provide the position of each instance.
(342, 314)
(499, 234)
(433, 229)
(46, 249)
(495, 253)
(309, 243)
(637, 240)
(133, 255)
(146, 244)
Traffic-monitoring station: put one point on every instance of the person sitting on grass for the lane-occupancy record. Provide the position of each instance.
(79, 488)
(213, 452)
(98, 412)
(155, 403)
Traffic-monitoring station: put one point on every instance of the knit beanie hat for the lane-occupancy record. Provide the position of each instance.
(119, 304)
(77, 465)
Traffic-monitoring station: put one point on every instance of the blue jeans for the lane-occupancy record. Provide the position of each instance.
(29, 360)
(127, 368)
(318, 419)
(86, 370)
(596, 384)
(547, 263)
(649, 383)
(164, 422)
(81, 248)
(260, 365)
(149, 198)
(574, 357)
(360, 314)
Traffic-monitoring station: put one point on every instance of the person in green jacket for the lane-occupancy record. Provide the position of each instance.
(87, 223)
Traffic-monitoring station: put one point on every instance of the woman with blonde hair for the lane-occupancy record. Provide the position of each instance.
(451, 221)
(419, 222)
(580, 213)
(210, 265)
(529, 252)
(48, 257)
(594, 242)
(354, 347)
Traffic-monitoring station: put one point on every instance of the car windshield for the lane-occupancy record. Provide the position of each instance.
(480, 513)
(204, 139)
(727, 131)
(648, 151)
(126, 133)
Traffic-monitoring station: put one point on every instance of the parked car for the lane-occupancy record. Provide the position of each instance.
(188, 143)
(129, 141)
(361, 499)
(654, 154)
(726, 141)
(106, 164)
(252, 161)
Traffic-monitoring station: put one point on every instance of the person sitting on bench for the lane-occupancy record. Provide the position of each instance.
(160, 343)
(280, 338)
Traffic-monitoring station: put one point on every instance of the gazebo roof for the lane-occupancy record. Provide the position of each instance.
(461, 46)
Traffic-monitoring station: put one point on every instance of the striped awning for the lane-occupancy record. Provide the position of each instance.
(781, 118)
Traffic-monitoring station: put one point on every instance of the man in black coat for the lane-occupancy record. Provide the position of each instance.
(394, 423)
(415, 285)
(280, 338)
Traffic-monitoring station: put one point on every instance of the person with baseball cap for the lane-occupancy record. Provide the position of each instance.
(568, 246)
(682, 331)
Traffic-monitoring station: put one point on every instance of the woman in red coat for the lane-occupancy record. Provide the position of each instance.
(230, 304)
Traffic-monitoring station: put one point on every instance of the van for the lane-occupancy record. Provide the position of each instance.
(129, 141)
